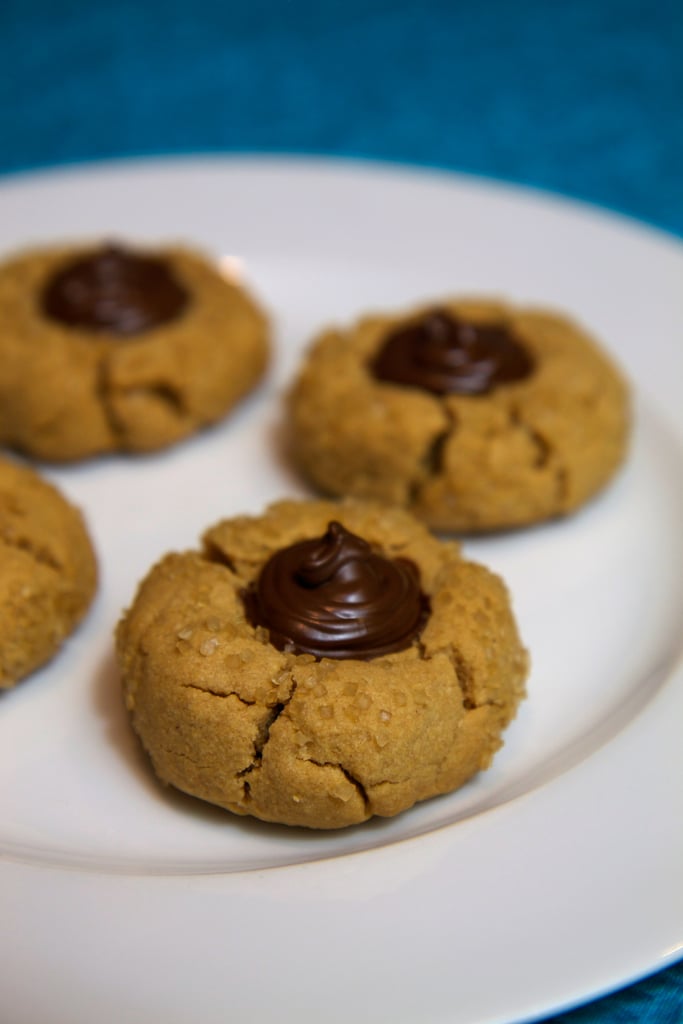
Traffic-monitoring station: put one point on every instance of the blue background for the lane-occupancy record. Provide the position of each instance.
(583, 98)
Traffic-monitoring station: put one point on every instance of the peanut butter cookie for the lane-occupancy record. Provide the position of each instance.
(109, 349)
(48, 572)
(474, 414)
(319, 664)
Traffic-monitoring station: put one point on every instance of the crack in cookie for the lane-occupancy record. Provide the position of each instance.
(40, 554)
(219, 693)
(355, 782)
(542, 446)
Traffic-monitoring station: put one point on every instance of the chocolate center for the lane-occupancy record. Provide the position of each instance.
(446, 355)
(335, 597)
(114, 291)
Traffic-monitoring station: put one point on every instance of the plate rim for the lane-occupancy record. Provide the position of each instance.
(335, 163)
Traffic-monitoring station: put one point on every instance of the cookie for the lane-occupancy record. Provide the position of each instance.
(48, 571)
(105, 348)
(475, 415)
(319, 664)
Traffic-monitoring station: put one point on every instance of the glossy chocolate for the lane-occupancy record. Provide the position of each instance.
(444, 354)
(114, 291)
(335, 597)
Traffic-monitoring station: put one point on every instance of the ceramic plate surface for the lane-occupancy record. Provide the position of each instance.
(551, 878)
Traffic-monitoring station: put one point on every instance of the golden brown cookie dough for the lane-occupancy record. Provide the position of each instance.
(69, 391)
(48, 572)
(228, 717)
(531, 449)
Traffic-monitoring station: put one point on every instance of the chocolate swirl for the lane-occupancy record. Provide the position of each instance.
(114, 291)
(447, 355)
(334, 597)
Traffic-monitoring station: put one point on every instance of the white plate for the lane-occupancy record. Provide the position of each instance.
(551, 878)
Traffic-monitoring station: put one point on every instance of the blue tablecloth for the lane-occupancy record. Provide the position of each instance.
(584, 98)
